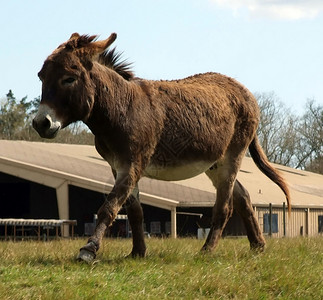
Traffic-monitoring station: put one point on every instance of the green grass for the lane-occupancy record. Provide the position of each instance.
(173, 269)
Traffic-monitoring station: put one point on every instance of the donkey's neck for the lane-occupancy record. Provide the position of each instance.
(113, 99)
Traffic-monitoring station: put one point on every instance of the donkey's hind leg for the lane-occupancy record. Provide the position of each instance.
(242, 204)
(223, 178)
(136, 217)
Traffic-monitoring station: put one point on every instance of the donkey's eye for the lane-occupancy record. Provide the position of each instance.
(67, 80)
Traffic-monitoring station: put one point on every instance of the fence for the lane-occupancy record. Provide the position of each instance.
(24, 226)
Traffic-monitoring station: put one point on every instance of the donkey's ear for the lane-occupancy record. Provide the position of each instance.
(100, 46)
(75, 35)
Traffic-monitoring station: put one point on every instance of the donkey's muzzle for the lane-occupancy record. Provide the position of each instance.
(46, 123)
(45, 127)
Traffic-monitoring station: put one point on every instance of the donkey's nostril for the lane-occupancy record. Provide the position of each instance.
(43, 124)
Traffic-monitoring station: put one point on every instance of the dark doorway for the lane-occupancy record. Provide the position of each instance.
(15, 199)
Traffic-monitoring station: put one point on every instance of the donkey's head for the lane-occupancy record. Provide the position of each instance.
(67, 89)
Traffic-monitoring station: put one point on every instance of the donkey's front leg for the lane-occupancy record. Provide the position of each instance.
(107, 214)
(136, 218)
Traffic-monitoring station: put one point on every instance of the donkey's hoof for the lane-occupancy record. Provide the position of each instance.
(86, 256)
(257, 247)
(206, 248)
(87, 253)
(141, 254)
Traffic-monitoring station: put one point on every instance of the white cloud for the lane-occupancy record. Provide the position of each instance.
(275, 9)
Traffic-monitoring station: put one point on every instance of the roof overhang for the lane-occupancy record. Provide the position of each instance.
(54, 179)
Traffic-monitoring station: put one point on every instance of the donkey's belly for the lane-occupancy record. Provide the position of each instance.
(177, 172)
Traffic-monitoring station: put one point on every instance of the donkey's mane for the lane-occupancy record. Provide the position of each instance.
(112, 59)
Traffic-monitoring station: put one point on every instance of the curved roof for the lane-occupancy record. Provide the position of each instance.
(53, 164)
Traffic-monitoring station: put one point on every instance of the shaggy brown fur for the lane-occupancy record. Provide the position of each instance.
(167, 130)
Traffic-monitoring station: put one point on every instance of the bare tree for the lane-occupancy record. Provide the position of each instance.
(310, 144)
(287, 139)
(276, 129)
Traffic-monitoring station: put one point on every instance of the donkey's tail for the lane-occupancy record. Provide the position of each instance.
(260, 159)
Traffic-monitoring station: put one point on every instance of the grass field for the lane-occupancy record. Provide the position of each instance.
(173, 269)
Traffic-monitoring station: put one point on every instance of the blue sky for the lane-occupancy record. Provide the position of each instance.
(267, 45)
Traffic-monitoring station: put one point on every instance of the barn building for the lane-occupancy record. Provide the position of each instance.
(60, 181)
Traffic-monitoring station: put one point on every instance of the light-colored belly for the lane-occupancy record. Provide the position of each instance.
(180, 172)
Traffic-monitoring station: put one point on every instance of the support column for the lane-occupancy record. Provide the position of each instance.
(173, 223)
(284, 219)
(63, 206)
(307, 229)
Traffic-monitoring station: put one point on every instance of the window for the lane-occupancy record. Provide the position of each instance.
(320, 224)
(274, 223)
(168, 227)
(155, 228)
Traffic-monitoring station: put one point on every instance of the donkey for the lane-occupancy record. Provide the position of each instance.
(165, 130)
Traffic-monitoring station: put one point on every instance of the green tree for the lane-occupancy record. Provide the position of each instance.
(13, 116)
